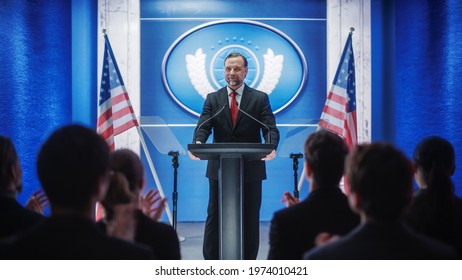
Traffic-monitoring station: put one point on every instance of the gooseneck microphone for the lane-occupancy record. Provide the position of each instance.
(255, 119)
(207, 120)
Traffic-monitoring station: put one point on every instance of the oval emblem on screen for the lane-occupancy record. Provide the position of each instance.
(193, 65)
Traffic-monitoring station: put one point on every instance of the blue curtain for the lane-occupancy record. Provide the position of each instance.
(428, 74)
(35, 76)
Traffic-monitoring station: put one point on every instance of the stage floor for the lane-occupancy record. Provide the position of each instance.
(193, 234)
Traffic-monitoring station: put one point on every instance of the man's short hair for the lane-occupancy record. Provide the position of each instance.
(382, 176)
(70, 164)
(325, 152)
(8, 159)
(236, 54)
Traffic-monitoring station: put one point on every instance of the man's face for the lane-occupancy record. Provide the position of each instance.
(235, 72)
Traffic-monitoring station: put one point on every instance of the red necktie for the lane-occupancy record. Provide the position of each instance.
(233, 107)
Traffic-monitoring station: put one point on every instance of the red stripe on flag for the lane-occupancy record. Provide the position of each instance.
(104, 117)
(336, 98)
(334, 112)
(120, 98)
(107, 133)
(328, 126)
(350, 130)
(122, 113)
(125, 126)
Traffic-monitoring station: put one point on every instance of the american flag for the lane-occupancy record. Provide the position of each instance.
(339, 112)
(115, 112)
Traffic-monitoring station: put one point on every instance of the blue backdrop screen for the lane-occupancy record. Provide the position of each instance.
(182, 60)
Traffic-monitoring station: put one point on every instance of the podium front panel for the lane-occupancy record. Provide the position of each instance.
(230, 209)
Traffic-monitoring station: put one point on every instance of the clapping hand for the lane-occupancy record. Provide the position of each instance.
(289, 199)
(37, 202)
(324, 238)
(152, 204)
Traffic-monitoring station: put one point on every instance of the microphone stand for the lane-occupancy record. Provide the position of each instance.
(295, 158)
(175, 164)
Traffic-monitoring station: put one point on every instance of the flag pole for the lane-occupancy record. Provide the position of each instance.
(302, 177)
(154, 174)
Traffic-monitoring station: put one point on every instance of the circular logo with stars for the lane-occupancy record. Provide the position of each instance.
(194, 64)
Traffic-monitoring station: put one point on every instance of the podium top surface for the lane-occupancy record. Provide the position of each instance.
(209, 151)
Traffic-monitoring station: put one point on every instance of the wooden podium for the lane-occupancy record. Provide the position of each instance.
(231, 157)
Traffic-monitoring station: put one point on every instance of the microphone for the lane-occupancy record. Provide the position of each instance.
(255, 119)
(207, 120)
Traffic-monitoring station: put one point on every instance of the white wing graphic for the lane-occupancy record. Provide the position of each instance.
(272, 73)
(195, 65)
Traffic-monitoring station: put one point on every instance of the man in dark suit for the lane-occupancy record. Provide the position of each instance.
(380, 180)
(73, 168)
(231, 125)
(13, 217)
(293, 230)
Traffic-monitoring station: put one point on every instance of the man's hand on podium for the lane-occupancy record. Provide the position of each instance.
(270, 156)
(191, 155)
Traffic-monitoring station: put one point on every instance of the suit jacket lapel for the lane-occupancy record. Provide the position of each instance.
(245, 99)
(223, 99)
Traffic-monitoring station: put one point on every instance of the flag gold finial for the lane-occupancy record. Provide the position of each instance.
(104, 30)
(352, 29)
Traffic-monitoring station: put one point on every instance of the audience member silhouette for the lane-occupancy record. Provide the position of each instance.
(159, 236)
(73, 168)
(380, 180)
(13, 217)
(435, 210)
(294, 229)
